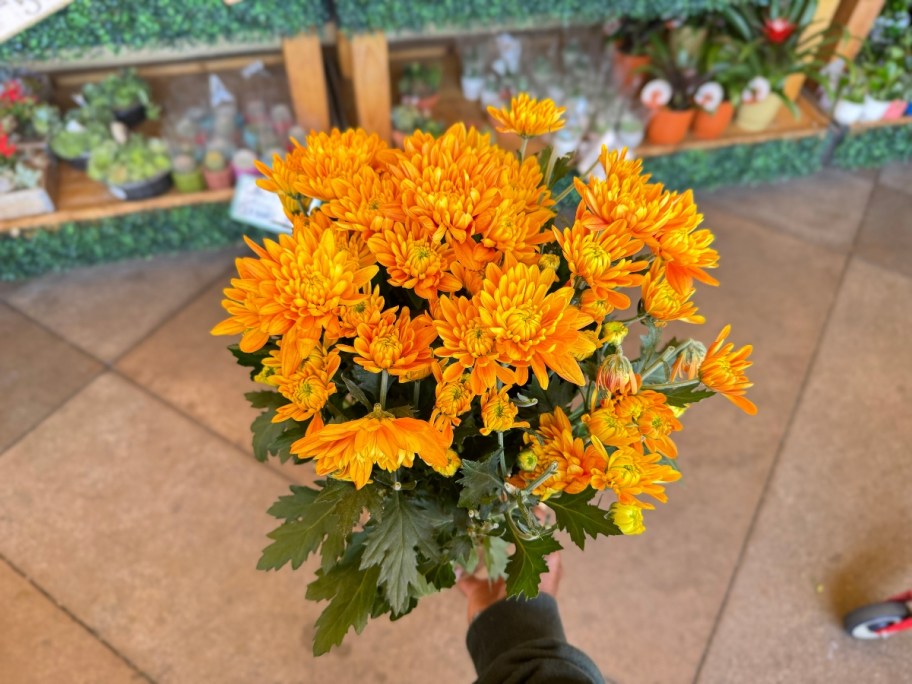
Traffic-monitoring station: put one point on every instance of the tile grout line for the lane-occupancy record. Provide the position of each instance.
(66, 611)
(799, 400)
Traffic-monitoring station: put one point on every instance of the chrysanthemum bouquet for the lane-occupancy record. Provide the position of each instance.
(450, 355)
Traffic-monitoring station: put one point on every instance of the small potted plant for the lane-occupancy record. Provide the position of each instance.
(23, 176)
(243, 163)
(125, 94)
(138, 168)
(721, 62)
(186, 173)
(407, 119)
(81, 131)
(472, 81)
(420, 85)
(669, 96)
(216, 170)
(631, 55)
(850, 97)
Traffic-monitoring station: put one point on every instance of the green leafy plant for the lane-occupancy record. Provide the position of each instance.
(120, 92)
(885, 71)
(81, 131)
(852, 84)
(408, 118)
(634, 36)
(420, 80)
(139, 159)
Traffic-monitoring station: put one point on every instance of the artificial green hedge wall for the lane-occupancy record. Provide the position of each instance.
(393, 15)
(738, 164)
(87, 24)
(874, 147)
(201, 226)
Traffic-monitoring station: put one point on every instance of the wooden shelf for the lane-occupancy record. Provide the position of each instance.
(868, 125)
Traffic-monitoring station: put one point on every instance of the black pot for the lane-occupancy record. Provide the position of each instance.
(142, 189)
(133, 116)
(78, 163)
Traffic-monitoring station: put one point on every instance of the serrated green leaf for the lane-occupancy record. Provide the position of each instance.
(686, 395)
(526, 565)
(265, 433)
(351, 592)
(281, 447)
(295, 505)
(391, 545)
(481, 482)
(576, 516)
(439, 575)
(496, 555)
(252, 360)
(265, 399)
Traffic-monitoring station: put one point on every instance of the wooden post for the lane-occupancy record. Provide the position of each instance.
(307, 80)
(857, 16)
(823, 18)
(344, 54)
(371, 76)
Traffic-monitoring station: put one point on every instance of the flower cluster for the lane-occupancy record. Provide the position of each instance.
(431, 315)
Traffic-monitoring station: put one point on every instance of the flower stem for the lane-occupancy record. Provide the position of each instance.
(551, 160)
(628, 321)
(570, 187)
(384, 386)
(663, 359)
(673, 385)
(522, 148)
(541, 479)
(416, 393)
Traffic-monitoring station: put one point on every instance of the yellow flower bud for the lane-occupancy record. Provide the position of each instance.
(616, 375)
(264, 375)
(527, 460)
(453, 463)
(551, 261)
(628, 518)
(498, 412)
(687, 363)
(614, 332)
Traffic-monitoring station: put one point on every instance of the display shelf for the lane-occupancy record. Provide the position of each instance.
(873, 143)
(863, 126)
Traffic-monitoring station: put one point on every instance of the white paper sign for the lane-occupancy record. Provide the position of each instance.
(18, 15)
(257, 207)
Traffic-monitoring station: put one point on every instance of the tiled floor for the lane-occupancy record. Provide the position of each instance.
(132, 514)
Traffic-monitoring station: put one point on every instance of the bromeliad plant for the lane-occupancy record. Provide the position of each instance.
(449, 358)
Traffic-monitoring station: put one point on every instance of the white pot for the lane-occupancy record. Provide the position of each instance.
(472, 87)
(632, 137)
(847, 113)
(874, 109)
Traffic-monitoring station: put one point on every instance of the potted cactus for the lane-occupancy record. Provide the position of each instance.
(186, 173)
(124, 94)
(216, 171)
(136, 169)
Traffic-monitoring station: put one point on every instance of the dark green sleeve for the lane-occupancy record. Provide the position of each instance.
(522, 642)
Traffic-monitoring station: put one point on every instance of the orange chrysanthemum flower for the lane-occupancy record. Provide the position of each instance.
(308, 387)
(555, 443)
(365, 311)
(281, 180)
(294, 288)
(349, 451)
(399, 345)
(533, 328)
(360, 202)
(327, 158)
(453, 398)
(414, 260)
(498, 412)
(653, 418)
(687, 363)
(664, 303)
(598, 258)
(723, 371)
(470, 344)
(684, 250)
(630, 474)
(612, 429)
(528, 117)
(511, 230)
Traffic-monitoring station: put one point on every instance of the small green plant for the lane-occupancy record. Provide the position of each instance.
(420, 80)
(121, 92)
(885, 72)
(184, 163)
(408, 119)
(81, 131)
(633, 36)
(139, 159)
(852, 85)
(215, 160)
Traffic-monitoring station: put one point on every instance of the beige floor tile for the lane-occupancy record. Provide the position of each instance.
(886, 234)
(644, 606)
(897, 176)
(38, 371)
(834, 528)
(148, 529)
(824, 209)
(107, 309)
(41, 644)
(192, 370)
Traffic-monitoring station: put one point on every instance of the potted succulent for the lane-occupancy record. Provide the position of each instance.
(216, 170)
(186, 173)
(884, 73)
(81, 131)
(243, 162)
(721, 61)
(850, 95)
(631, 54)
(669, 96)
(136, 169)
(407, 119)
(420, 85)
(125, 94)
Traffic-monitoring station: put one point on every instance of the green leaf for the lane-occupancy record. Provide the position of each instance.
(439, 575)
(265, 399)
(576, 516)
(329, 516)
(481, 482)
(294, 506)
(252, 360)
(527, 563)
(357, 392)
(559, 394)
(281, 447)
(265, 433)
(367, 381)
(685, 395)
(391, 544)
(351, 592)
(496, 555)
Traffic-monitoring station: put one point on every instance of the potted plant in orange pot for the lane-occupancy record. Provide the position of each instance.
(668, 96)
(721, 63)
(631, 55)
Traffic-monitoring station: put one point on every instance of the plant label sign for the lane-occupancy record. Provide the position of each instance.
(18, 15)
(257, 207)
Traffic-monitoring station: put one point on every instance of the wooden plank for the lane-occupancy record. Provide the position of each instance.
(823, 18)
(371, 81)
(344, 54)
(307, 80)
(862, 126)
(857, 16)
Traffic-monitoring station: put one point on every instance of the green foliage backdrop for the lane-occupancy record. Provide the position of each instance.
(874, 147)
(88, 24)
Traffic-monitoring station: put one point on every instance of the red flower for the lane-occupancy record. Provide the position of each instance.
(7, 148)
(12, 92)
(778, 30)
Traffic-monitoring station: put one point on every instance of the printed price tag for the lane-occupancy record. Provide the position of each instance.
(18, 15)
(257, 207)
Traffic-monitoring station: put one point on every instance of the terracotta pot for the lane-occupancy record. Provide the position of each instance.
(626, 69)
(707, 126)
(757, 116)
(219, 180)
(668, 126)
